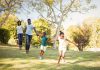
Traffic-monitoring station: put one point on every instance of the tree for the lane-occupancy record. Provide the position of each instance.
(80, 35)
(8, 7)
(56, 11)
(41, 26)
(95, 30)
(10, 24)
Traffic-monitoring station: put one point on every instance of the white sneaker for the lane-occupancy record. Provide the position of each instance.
(40, 58)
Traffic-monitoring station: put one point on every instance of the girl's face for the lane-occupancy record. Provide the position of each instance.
(62, 36)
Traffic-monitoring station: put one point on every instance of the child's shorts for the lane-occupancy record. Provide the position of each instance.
(62, 50)
(43, 48)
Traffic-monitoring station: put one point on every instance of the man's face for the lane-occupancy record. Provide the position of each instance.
(29, 21)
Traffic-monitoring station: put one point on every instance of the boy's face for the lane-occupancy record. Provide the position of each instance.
(43, 34)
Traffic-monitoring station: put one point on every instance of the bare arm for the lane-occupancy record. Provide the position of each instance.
(35, 31)
(71, 42)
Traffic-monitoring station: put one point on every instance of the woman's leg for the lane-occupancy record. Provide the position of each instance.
(20, 41)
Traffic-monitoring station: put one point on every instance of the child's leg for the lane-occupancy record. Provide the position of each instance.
(63, 54)
(60, 56)
(41, 53)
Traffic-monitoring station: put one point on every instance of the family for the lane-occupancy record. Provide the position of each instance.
(29, 31)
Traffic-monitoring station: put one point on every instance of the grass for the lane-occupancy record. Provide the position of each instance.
(11, 58)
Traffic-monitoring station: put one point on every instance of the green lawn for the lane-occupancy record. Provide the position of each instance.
(11, 58)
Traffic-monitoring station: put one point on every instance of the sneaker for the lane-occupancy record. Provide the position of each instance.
(27, 51)
(40, 57)
(63, 61)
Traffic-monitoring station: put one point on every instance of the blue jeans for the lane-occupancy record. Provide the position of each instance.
(20, 38)
(28, 41)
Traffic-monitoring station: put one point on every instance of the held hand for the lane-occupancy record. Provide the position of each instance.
(76, 44)
(37, 34)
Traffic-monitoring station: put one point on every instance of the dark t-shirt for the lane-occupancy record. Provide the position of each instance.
(44, 41)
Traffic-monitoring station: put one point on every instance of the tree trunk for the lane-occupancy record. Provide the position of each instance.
(4, 20)
(80, 48)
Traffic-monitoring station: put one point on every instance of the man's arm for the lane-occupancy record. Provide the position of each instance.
(35, 31)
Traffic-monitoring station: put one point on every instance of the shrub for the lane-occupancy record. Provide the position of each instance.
(4, 35)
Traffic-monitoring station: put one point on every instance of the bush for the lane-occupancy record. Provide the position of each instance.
(4, 35)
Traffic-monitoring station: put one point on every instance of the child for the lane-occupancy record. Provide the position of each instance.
(43, 45)
(62, 46)
(29, 32)
(19, 34)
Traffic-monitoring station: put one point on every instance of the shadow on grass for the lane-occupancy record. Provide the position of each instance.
(5, 66)
(49, 67)
(13, 55)
(13, 52)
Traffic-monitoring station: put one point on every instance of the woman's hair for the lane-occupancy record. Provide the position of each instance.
(19, 23)
(61, 33)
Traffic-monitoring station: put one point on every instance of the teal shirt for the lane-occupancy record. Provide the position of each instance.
(44, 41)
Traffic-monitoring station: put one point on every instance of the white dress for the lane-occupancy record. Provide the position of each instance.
(62, 45)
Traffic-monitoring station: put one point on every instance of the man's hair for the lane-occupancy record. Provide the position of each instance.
(28, 19)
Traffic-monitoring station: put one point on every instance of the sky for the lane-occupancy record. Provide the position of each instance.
(73, 18)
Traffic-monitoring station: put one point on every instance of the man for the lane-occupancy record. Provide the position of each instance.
(29, 30)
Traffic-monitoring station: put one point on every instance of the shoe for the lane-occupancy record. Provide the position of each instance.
(27, 51)
(63, 61)
(40, 57)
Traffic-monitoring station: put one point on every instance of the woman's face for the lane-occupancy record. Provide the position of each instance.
(62, 36)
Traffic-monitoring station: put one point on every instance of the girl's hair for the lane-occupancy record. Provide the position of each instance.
(19, 23)
(61, 33)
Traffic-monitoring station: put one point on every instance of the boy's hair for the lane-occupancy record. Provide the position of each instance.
(61, 33)
(19, 23)
(44, 33)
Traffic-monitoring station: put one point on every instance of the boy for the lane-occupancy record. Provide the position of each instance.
(62, 46)
(19, 34)
(43, 45)
(29, 29)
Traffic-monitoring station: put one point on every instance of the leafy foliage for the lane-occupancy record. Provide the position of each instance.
(81, 36)
(41, 26)
(11, 24)
(4, 35)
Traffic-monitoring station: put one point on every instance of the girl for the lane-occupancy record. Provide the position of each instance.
(19, 34)
(62, 46)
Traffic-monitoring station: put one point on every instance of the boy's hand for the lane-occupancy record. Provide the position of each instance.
(76, 44)
(37, 34)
